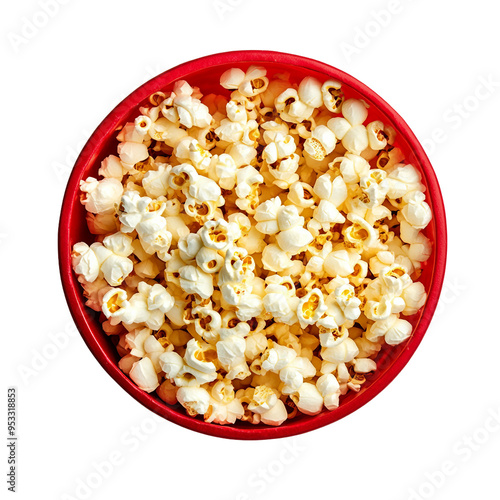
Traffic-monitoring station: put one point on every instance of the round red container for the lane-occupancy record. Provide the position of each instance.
(205, 73)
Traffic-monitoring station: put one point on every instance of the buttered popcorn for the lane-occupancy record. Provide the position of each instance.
(254, 250)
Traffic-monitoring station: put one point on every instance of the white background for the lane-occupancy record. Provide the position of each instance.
(429, 60)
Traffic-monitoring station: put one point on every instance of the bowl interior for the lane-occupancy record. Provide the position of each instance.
(205, 74)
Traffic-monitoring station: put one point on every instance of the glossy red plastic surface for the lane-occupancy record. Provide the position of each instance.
(205, 73)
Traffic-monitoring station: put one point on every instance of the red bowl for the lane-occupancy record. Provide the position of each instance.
(205, 73)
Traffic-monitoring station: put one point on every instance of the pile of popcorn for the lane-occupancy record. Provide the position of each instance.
(253, 255)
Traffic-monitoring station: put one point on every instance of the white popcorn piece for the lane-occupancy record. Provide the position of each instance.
(85, 262)
(111, 166)
(147, 306)
(360, 235)
(155, 182)
(321, 143)
(224, 413)
(189, 246)
(367, 348)
(263, 399)
(311, 307)
(301, 195)
(416, 212)
(231, 349)
(200, 357)
(378, 138)
(101, 197)
(115, 305)
(330, 334)
(344, 352)
(280, 147)
(209, 260)
(194, 280)
(237, 266)
(329, 389)
(332, 95)
(348, 301)
(277, 357)
(308, 399)
(294, 240)
(294, 373)
(364, 365)
(249, 84)
(349, 129)
(280, 301)
(171, 363)
(375, 187)
(276, 415)
(125, 364)
(310, 92)
(131, 153)
(216, 235)
(144, 375)
(291, 108)
(399, 331)
(225, 171)
(135, 340)
(266, 216)
(207, 323)
(142, 124)
(402, 180)
(414, 297)
(181, 176)
(332, 193)
(196, 400)
(248, 180)
(341, 262)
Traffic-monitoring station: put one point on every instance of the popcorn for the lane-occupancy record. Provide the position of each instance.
(111, 166)
(276, 415)
(329, 389)
(182, 106)
(321, 143)
(251, 267)
(101, 197)
(378, 137)
(416, 212)
(216, 235)
(155, 182)
(132, 152)
(279, 301)
(311, 308)
(209, 260)
(349, 129)
(144, 375)
(171, 363)
(308, 399)
(344, 352)
(332, 95)
(200, 357)
(263, 399)
(249, 84)
(231, 348)
(195, 281)
(332, 194)
(85, 262)
(247, 185)
(293, 237)
(195, 400)
(348, 301)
